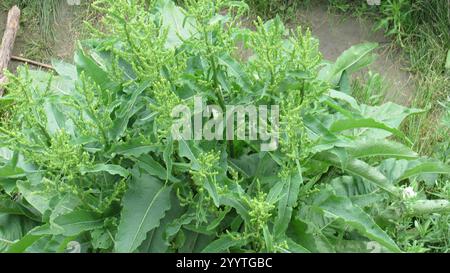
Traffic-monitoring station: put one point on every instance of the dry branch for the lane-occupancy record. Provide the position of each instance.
(28, 61)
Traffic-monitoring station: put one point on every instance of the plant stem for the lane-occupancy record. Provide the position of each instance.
(422, 207)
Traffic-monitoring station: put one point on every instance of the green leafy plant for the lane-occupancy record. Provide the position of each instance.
(271, 8)
(397, 18)
(419, 30)
(88, 157)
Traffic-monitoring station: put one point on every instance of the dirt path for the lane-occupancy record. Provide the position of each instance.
(68, 27)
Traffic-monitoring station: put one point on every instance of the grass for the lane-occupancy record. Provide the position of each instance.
(40, 20)
(427, 48)
(37, 26)
(285, 8)
(43, 11)
(370, 89)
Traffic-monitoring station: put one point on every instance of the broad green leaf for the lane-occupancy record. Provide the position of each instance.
(235, 201)
(245, 165)
(255, 165)
(344, 97)
(11, 207)
(211, 187)
(286, 204)
(195, 242)
(78, 221)
(293, 247)
(45, 230)
(8, 206)
(351, 60)
(342, 208)
(390, 114)
(324, 138)
(223, 244)
(127, 110)
(275, 193)
(189, 150)
(355, 58)
(65, 205)
(235, 70)
(152, 167)
(174, 227)
(426, 167)
(101, 239)
(327, 203)
(179, 26)
(359, 191)
(8, 171)
(384, 148)
(144, 205)
(132, 149)
(308, 236)
(345, 83)
(36, 195)
(216, 222)
(268, 239)
(348, 124)
(358, 246)
(93, 70)
(394, 169)
(50, 244)
(158, 240)
(21, 245)
(351, 186)
(109, 168)
(56, 121)
(65, 69)
(361, 169)
(12, 229)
